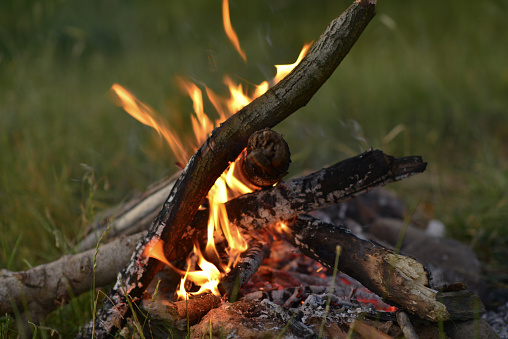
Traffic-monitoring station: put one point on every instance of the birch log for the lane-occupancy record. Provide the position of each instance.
(46, 287)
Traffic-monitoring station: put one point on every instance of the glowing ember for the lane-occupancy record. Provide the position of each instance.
(227, 186)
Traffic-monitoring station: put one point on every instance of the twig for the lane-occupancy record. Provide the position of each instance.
(406, 326)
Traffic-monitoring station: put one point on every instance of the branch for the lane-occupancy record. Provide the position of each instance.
(222, 147)
(401, 280)
(46, 287)
(258, 250)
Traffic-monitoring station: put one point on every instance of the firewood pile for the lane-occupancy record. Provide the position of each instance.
(328, 254)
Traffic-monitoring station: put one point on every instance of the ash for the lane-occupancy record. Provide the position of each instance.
(498, 319)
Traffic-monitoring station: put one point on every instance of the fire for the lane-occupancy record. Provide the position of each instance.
(283, 70)
(227, 186)
(230, 31)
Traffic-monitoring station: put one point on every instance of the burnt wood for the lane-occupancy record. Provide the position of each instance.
(400, 280)
(328, 186)
(258, 250)
(266, 159)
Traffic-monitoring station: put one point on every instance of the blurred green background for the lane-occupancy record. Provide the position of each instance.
(426, 78)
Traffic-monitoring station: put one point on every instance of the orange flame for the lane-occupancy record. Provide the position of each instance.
(147, 116)
(283, 70)
(227, 186)
(230, 31)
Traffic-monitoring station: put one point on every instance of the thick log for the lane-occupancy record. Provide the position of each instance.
(46, 287)
(266, 159)
(222, 147)
(398, 279)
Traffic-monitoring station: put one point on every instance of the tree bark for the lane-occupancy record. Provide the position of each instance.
(266, 160)
(46, 287)
(222, 147)
(400, 280)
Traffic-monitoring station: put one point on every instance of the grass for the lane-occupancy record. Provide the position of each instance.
(434, 74)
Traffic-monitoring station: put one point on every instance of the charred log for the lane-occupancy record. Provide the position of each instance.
(266, 159)
(400, 280)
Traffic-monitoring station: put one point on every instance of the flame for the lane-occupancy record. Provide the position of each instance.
(227, 186)
(147, 116)
(230, 31)
(283, 70)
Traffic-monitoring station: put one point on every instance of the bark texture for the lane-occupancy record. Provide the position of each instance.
(222, 147)
(46, 287)
(400, 280)
(266, 160)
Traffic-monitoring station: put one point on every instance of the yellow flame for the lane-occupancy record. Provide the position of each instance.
(283, 70)
(227, 186)
(230, 31)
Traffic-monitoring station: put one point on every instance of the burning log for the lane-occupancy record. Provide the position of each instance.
(320, 189)
(266, 159)
(248, 265)
(401, 280)
(264, 163)
(222, 147)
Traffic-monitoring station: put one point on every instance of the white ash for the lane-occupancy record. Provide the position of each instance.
(498, 319)
(339, 310)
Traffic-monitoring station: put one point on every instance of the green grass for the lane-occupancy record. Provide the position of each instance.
(436, 72)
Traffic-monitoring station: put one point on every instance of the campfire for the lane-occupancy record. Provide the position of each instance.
(222, 248)
(228, 205)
